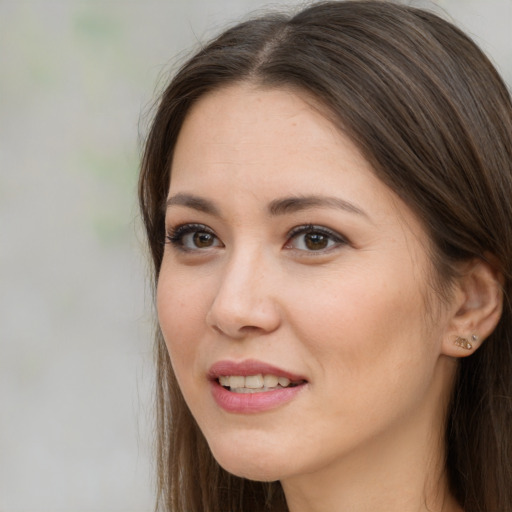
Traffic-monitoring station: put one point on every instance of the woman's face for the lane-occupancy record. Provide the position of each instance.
(288, 261)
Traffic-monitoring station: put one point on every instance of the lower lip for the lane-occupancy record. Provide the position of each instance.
(250, 403)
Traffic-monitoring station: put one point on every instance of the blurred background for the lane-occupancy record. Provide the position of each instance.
(77, 79)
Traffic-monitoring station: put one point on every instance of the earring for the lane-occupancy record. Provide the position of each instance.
(464, 343)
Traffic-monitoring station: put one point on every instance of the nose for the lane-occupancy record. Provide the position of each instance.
(245, 303)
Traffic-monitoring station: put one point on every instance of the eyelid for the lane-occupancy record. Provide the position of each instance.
(175, 235)
(312, 228)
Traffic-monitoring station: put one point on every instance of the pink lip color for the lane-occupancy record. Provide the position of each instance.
(247, 403)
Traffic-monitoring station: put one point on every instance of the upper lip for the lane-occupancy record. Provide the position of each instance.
(249, 367)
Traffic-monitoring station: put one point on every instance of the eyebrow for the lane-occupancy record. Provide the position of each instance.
(276, 207)
(195, 202)
(300, 203)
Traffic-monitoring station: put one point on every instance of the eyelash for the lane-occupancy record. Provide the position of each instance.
(176, 236)
(329, 234)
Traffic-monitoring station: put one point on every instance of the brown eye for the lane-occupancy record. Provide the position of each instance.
(202, 239)
(316, 241)
(311, 238)
(193, 237)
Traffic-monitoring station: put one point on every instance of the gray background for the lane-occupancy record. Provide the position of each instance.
(77, 78)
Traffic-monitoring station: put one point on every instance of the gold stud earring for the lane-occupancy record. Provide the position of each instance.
(464, 343)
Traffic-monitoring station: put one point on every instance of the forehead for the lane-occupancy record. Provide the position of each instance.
(270, 131)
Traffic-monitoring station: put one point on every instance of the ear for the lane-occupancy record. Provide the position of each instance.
(477, 307)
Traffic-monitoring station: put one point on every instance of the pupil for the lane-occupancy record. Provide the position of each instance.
(202, 239)
(316, 241)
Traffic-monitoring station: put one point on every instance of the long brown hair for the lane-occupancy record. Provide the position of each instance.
(433, 117)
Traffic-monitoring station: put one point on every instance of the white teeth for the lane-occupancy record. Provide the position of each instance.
(254, 381)
(284, 381)
(247, 384)
(270, 381)
(236, 382)
(224, 381)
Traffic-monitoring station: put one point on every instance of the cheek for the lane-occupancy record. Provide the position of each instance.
(358, 305)
(365, 331)
(181, 316)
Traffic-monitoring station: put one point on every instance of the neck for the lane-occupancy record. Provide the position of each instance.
(397, 482)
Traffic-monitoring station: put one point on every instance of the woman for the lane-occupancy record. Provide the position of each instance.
(327, 202)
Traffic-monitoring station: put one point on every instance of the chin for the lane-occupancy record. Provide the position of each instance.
(250, 460)
(257, 472)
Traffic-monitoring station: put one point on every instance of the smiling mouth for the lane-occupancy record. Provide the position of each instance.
(256, 383)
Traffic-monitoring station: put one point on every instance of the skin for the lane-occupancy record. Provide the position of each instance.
(366, 431)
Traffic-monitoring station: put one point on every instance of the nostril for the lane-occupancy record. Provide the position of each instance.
(250, 328)
(216, 329)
